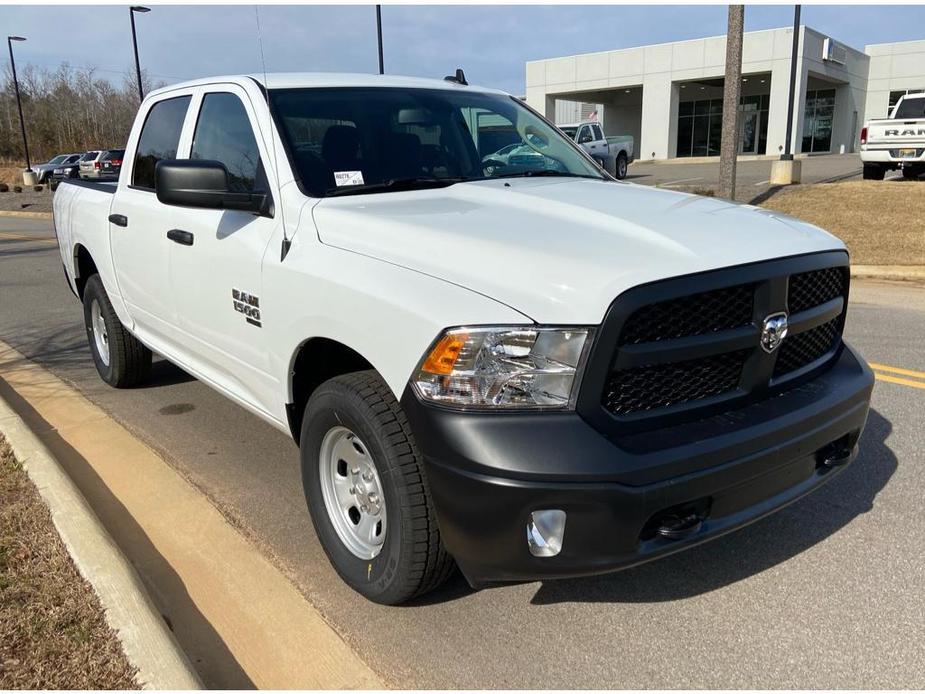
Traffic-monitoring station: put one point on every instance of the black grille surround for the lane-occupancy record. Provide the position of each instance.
(689, 347)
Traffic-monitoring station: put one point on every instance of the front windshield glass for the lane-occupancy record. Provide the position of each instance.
(57, 160)
(355, 140)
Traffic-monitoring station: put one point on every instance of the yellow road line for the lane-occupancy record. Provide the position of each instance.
(23, 237)
(897, 370)
(900, 381)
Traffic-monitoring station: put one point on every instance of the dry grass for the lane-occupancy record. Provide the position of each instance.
(52, 631)
(881, 222)
(11, 172)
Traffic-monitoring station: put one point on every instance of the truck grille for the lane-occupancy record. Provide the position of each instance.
(681, 353)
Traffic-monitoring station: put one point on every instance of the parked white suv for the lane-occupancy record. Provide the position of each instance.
(529, 370)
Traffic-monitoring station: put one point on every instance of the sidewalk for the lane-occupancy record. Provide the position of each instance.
(240, 621)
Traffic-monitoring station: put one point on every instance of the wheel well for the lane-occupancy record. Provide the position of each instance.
(84, 268)
(318, 360)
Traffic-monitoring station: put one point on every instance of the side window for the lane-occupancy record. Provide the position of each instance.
(598, 133)
(160, 136)
(584, 135)
(224, 133)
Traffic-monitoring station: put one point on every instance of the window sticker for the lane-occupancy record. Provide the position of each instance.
(348, 178)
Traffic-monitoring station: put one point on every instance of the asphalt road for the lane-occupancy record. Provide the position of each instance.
(752, 175)
(828, 593)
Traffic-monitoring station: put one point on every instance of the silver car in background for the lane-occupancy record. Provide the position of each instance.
(90, 164)
(44, 171)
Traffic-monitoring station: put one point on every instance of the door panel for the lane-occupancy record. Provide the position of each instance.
(140, 248)
(216, 257)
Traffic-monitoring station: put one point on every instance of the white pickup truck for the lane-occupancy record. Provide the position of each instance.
(614, 153)
(527, 372)
(897, 142)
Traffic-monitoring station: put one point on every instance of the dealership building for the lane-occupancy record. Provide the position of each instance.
(669, 96)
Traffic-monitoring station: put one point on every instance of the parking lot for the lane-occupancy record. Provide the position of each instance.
(829, 592)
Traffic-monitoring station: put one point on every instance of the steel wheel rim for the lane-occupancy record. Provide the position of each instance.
(100, 336)
(621, 167)
(352, 492)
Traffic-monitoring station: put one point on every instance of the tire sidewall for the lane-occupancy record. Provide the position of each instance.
(621, 167)
(94, 292)
(378, 578)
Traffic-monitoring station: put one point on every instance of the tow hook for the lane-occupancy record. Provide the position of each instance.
(835, 454)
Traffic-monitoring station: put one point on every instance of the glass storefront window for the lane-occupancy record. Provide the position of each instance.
(700, 126)
(818, 118)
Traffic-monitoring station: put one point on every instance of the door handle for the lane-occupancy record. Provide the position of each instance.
(182, 237)
(120, 220)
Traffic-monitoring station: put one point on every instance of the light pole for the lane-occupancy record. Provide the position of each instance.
(793, 83)
(22, 122)
(131, 13)
(379, 35)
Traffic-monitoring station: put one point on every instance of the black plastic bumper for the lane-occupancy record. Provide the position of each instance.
(488, 472)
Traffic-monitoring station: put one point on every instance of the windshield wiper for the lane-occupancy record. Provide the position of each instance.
(396, 184)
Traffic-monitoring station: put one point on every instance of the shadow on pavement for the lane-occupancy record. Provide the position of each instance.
(750, 550)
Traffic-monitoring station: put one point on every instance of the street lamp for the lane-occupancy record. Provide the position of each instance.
(131, 13)
(22, 122)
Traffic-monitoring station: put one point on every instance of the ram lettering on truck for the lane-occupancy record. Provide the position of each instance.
(512, 364)
(897, 142)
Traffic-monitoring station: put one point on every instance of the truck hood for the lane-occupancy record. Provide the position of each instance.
(559, 250)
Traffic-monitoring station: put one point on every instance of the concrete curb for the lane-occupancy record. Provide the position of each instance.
(145, 638)
(26, 215)
(908, 273)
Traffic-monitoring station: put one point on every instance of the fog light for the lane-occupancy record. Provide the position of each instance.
(545, 531)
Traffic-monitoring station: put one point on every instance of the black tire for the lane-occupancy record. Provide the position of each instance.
(620, 166)
(129, 361)
(911, 173)
(412, 559)
(873, 172)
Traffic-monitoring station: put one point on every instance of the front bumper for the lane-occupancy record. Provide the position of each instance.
(488, 471)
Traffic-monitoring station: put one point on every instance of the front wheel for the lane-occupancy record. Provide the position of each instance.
(366, 491)
(121, 360)
(621, 166)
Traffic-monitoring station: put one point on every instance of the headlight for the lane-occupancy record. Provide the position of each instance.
(516, 367)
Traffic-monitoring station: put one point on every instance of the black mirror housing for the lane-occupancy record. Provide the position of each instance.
(203, 183)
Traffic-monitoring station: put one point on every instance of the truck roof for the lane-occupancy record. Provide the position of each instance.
(295, 80)
(578, 124)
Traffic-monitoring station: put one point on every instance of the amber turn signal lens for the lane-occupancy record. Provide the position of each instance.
(443, 356)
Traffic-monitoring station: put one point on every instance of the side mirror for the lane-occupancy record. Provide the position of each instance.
(203, 183)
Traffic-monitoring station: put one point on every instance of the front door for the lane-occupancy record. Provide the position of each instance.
(216, 281)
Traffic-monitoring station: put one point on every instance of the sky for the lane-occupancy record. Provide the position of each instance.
(491, 42)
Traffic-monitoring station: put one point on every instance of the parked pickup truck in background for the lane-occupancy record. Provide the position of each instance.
(613, 153)
(897, 142)
(526, 371)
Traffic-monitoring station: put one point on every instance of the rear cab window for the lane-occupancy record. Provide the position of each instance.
(159, 139)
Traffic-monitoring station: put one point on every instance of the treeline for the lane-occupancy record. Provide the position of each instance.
(66, 110)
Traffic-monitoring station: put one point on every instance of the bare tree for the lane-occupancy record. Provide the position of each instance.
(729, 148)
(67, 110)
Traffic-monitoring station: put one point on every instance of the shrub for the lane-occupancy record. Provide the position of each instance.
(4, 187)
(53, 185)
(37, 189)
(17, 189)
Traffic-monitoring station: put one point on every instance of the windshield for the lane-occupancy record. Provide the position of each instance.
(355, 140)
(911, 108)
(57, 160)
(569, 130)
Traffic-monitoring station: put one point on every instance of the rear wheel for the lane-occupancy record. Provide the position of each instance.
(366, 492)
(621, 166)
(121, 360)
(873, 172)
(912, 173)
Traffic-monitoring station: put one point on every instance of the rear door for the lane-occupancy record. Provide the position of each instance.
(139, 238)
(216, 281)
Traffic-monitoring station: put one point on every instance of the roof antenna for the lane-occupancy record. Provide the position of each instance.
(287, 242)
(459, 77)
